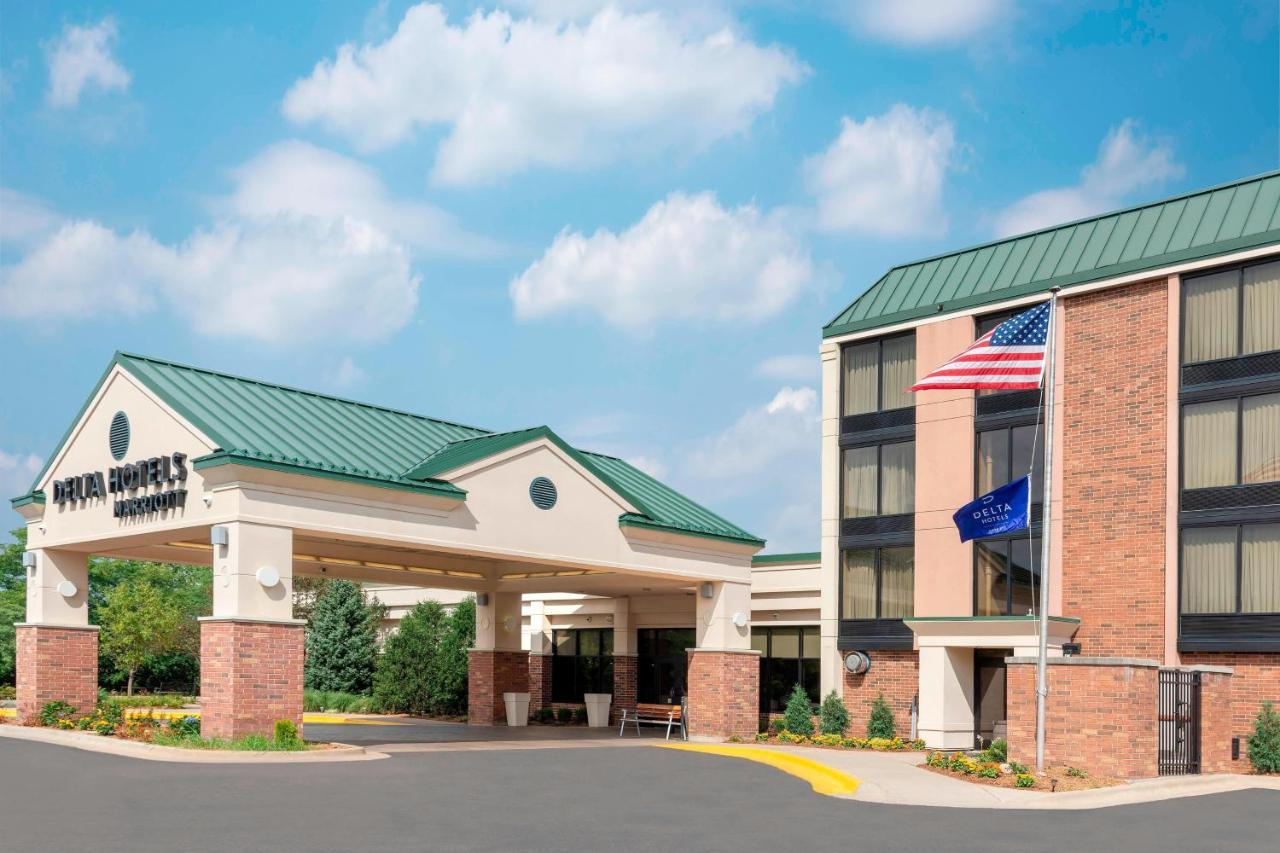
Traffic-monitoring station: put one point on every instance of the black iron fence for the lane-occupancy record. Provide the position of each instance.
(1179, 722)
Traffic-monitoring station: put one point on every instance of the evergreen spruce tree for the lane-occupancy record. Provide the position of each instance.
(833, 716)
(880, 723)
(408, 668)
(799, 714)
(1264, 743)
(342, 640)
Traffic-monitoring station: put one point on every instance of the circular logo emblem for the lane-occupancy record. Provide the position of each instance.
(119, 438)
(542, 492)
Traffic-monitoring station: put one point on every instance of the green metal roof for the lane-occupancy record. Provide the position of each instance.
(1200, 224)
(798, 557)
(265, 425)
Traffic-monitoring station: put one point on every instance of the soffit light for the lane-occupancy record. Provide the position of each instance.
(562, 573)
(395, 567)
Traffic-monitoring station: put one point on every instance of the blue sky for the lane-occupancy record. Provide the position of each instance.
(629, 223)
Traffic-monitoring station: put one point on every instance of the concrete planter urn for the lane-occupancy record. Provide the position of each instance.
(598, 709)
(517, 708)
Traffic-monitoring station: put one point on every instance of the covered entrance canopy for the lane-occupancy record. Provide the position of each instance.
(262, 482)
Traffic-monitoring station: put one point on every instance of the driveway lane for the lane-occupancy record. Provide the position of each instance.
(60, 799)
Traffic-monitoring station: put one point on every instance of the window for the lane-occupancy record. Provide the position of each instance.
(877, 374)
(1005, 582)
(1231, 569)
(662, 663)
(878, 583)
(788, 656)
(1004, 454)
(1231, 313)
(1231, 442)
(582, 662)
(880, 480)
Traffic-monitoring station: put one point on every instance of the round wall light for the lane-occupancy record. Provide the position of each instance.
(740, 619)
(857, 662)
(268, 576)
(66, 589)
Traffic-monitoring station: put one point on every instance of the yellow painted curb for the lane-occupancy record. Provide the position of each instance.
(8, 712)
(823, 779)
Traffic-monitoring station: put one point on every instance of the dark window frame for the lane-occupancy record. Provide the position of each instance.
(1239, 568)
(1008, 539)
(878, 549)
(879, 342)
(879, 448)
(1239, 395)
(1008, 427)
(602, 663)
(1238, 269)
(768, 662)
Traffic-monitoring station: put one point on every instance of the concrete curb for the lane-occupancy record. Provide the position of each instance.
(153, 752)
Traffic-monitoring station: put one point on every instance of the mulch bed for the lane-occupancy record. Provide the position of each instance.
(1054, 779)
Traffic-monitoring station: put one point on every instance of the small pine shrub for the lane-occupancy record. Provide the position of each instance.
(1076, 772)
(833, 716)
(799, 715)
(286, 734)
(880, 723)
(580, 715)
(564, 716)
(998, 751)
(1264, 743)
(1025, 780)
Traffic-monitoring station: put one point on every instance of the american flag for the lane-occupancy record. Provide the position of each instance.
(1010, 356)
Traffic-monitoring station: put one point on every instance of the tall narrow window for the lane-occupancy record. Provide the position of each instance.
(1007, 575)
(1210, 328)
(1261, 314)
(1004, 454)
(898, 356)
(1233, 569)
(1260, 568)
(878, 583)
(1260, 439)
(1231, 442)
(880, 480)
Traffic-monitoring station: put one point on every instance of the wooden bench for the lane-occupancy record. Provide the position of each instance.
(670, 716)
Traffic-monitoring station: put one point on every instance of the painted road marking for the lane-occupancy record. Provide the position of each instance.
(178, 713)
(823, 779)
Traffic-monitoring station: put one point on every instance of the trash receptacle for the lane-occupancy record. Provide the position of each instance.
(517, 708)
(598, 709)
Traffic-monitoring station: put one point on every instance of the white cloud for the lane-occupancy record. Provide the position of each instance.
(1127, 162)
(516, 94)
(285, 262)
(793, 367)
(295, 179)
(17, 471)
(347, 374)
(884, 175)
(786, 427)
(24, 219)
(80, 58)
(651, 465)
(917, 23)
(687, 259)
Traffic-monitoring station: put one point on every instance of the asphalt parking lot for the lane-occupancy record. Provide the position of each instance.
(637, 799)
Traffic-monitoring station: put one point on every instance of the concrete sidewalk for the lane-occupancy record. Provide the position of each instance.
(897, 778)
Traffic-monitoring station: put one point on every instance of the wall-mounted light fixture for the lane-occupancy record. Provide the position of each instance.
(29, 560)
(66, 589)
(706, 590)
(268, 576)
(857, 662)
(482, 599)
(219, 535)
(740, 619)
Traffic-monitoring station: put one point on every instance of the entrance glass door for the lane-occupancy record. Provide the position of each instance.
(989, 717)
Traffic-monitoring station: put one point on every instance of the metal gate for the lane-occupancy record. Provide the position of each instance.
(1179, 722)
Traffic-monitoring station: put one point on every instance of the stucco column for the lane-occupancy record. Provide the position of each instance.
(539, 656)
(57, 648)
(831, 672)
(497, 664)
(946, 697)
(724, 671)
(251, 648)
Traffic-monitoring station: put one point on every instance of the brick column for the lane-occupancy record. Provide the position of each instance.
(1215, 722)
(539, 681)
(624, 684)
(250, 675)
(56, 663)
(490, 673)
(724, 693)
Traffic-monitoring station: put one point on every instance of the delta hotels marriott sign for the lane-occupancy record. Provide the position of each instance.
(124, 481)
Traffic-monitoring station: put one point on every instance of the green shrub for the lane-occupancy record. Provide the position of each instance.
(997, 752)
(799, 715)
(8, 691)
(1264, 743)
(423, 667)
(762, 737)
(1024, 780)
(880, 723)
(335, 701)
(580, 715)
(989, 770)
(564, 715)
(286, 734)
(833, 716)
(776, 725)
(54, 713)
(1018, 768)
(342, 640)
(544, 715)
(1076, 772)
(184, 726)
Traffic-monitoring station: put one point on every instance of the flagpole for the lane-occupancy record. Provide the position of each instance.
(1046, 531)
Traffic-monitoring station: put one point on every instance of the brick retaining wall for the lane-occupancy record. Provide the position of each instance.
(56, 664)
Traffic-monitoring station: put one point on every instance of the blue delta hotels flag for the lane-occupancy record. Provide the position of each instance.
(1001, 510)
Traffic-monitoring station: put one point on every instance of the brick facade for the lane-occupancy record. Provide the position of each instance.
(896, 674)
(1101, 717)
(1216, 724)
(539, 681)
(624, 685)
(1255, 679)
(490, 673)
(250, 676)
(1114, 404)
(724, 694)
(56, 664)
